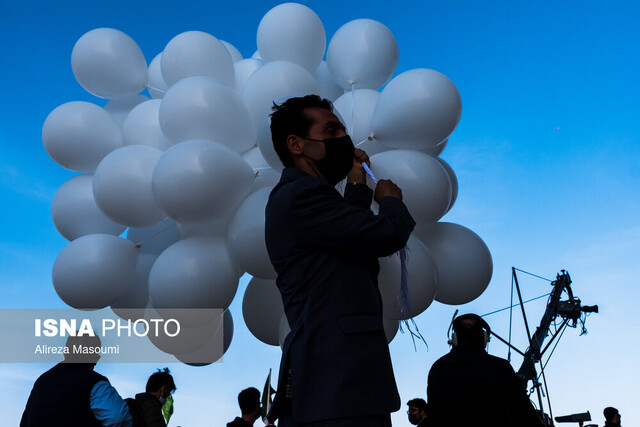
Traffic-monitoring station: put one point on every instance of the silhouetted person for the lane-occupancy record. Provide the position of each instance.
(418, 412)
(148, 405)
(611, 417)
(469, 387)
(72, 394)
(249, 401)
(324, 246)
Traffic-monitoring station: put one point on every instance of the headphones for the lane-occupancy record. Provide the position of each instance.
(455, 324)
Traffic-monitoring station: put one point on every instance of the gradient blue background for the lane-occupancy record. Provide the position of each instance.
(546, 153)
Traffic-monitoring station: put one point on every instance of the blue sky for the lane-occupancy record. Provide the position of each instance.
(546, 154)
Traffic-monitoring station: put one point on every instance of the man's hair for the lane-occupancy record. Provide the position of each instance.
(160, 378)
(469, 330)
(248, 399)
(418, 403)
(610, 412)
(289, 118)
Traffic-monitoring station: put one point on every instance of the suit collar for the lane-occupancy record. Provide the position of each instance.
(291, 174)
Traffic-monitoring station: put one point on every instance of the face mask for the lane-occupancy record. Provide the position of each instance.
(413, 419)
(338, 160)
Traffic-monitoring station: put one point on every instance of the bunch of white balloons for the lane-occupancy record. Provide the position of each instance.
(189, 170)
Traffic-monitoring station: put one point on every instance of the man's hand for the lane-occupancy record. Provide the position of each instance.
(357, 173)
(386, 187)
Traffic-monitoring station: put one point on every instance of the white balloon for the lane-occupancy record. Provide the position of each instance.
(292, 32)
(154, 239)
(157, 86)
(186, 339)
(362, 53)
(204, 108)
(425, 184)
(262, 310)
(195, 53)
(195, 180)
(109, 64)
(216, 226)
(142, 126)
(122, 186)
(132, 304)
(233, 51)
(417, 109)
(454, 182)
(422, 281)
(197, 272)
(463, 259)
(246, 236)
(94, 270)
(327, 87)
(390, 328)
(215, 348)
(266, 176)
(75, 212)
(357, 110)
(244, 69)
(274, 82)
(77, 135)
(120, 108)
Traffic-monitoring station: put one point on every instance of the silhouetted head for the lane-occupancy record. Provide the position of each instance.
(471, 331)
(612, 415)
(249, 401)
(418, 410)
(82, 349)
(161, 384)
(290, 118)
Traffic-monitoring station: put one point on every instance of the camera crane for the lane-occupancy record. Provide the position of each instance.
(571, 311)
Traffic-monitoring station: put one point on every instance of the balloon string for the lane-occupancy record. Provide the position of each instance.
(403, 298)
(362, 142)
(155, 88)
(413, 334)
(353, 103)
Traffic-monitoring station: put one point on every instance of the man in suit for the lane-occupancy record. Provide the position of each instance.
(336, 368)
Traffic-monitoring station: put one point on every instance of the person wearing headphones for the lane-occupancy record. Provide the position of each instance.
(469, 387)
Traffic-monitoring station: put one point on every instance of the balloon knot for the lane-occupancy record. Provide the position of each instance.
(138, 245)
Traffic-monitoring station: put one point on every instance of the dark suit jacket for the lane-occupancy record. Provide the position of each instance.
(324, 248)
(468, 387)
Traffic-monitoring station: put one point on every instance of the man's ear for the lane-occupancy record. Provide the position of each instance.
(295, 144)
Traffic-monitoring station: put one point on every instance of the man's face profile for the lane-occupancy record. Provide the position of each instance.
(415, 415)
(325, 125)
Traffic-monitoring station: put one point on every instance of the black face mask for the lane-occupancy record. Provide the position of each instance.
(338, 160)
(413, 419)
